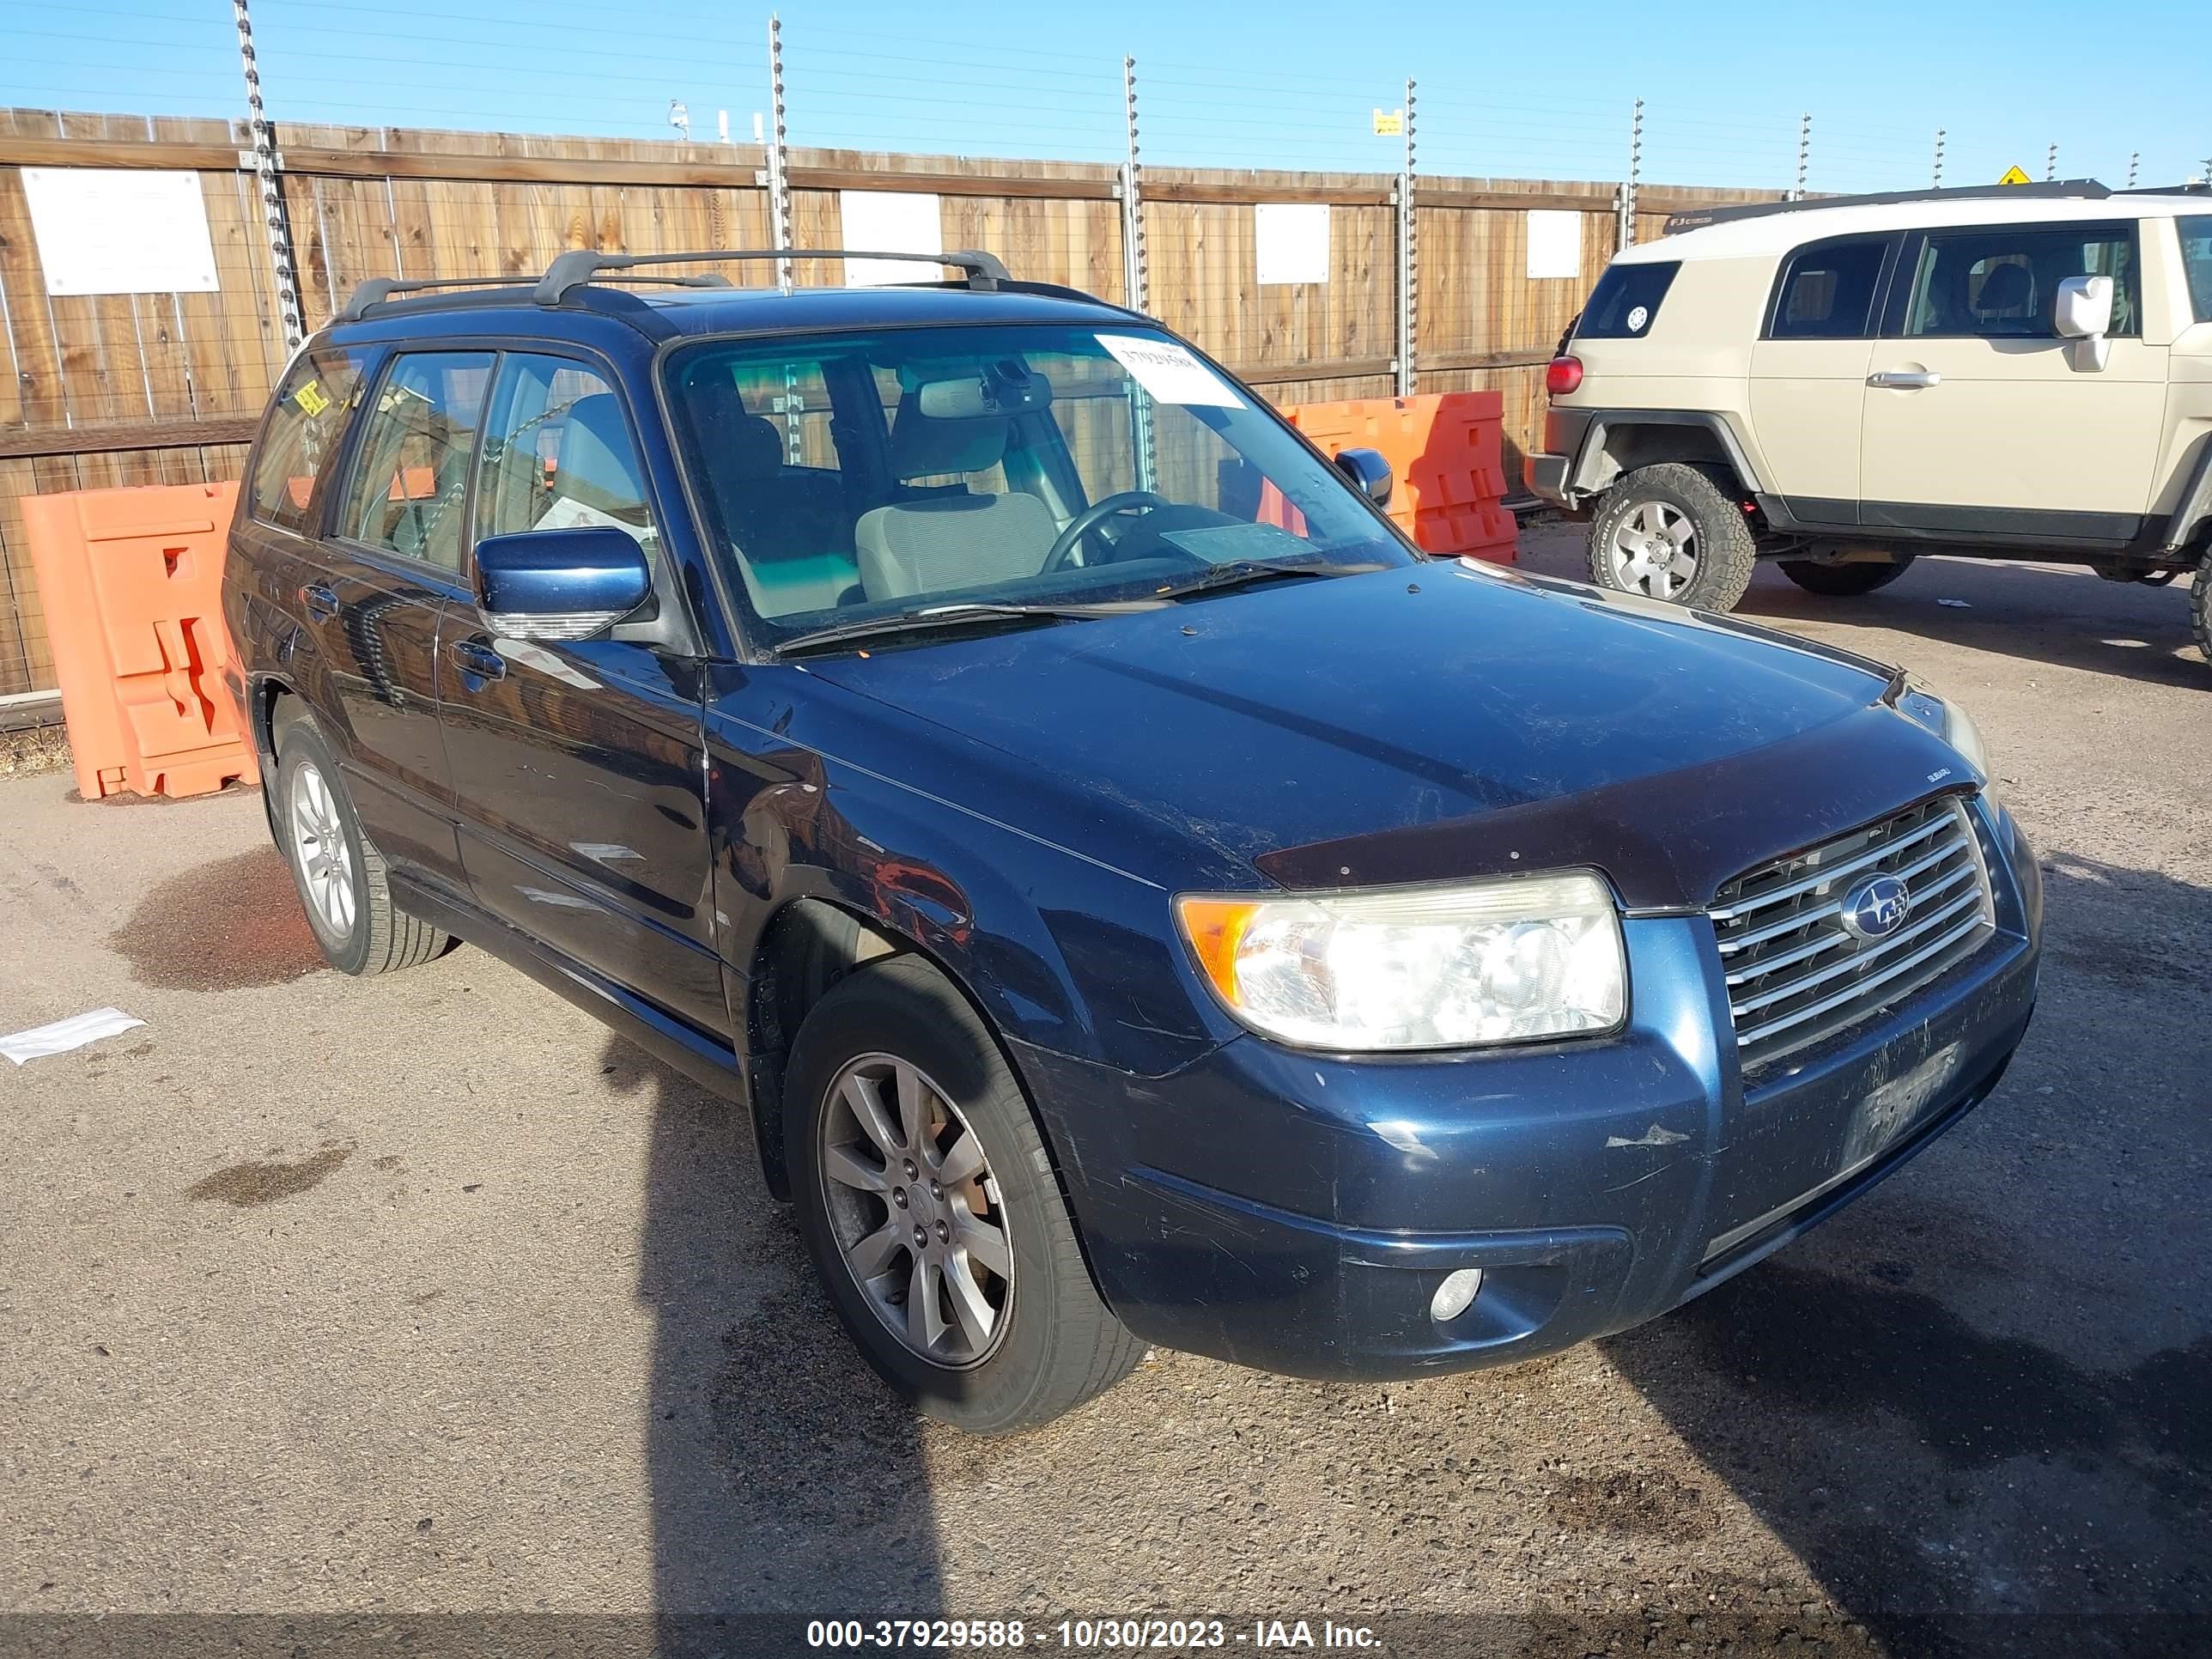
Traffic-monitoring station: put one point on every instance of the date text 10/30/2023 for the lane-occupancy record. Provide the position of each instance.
(1092, 1635)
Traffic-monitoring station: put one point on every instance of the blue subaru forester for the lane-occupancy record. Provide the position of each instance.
(1139, 898)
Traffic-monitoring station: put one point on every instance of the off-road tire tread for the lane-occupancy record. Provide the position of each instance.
(2200, 605)
(1727, 554)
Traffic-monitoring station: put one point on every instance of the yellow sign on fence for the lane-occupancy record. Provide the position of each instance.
(1389, 124)
(2013, 176)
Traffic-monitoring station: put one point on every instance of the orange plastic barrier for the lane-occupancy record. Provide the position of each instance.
(1444, 448)
(131, 581)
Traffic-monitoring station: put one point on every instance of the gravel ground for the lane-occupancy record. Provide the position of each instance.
(426, 1296)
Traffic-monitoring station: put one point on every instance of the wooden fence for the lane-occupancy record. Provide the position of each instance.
(162, 388)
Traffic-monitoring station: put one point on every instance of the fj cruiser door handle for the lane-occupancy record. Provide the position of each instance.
(1906, 380)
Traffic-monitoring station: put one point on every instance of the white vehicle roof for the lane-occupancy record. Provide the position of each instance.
(1778, 233)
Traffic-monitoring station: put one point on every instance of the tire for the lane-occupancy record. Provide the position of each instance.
(2200, 605)
(1052, 1343)
(1842, 581)
(1683, 510)
(361, 931)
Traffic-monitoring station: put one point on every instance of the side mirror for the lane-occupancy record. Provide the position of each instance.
(2085, 307)
(560, 584)
(1369, 472)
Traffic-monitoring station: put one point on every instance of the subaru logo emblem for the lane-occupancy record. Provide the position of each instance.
(1876, 907)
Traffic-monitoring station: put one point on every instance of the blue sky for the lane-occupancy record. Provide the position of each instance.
(1518, 92)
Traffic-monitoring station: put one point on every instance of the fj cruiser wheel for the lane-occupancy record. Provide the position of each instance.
(1670, 532)
(1842, 581)
(930, 1210)
(2200, 605)
(339, 870)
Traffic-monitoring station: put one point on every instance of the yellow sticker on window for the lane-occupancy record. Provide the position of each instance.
(311, 398)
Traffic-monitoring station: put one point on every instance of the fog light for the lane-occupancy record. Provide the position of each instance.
(1456, 1294)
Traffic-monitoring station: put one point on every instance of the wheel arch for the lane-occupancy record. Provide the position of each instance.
(1619, 441)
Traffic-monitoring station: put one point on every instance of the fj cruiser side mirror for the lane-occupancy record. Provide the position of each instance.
(2084, 316)
(1369, 472)
(560, 584)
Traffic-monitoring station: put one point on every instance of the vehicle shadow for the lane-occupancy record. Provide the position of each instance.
(786, 1478)
(1974, 1405)
(2063, 615)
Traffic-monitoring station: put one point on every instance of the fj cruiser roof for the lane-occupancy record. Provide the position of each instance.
(1774, 227)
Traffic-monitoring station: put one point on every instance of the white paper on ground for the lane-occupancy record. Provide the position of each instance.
(1170, 372)
(64, 1035)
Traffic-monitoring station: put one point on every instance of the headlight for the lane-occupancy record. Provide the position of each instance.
(1416, 967)
(1948, 721)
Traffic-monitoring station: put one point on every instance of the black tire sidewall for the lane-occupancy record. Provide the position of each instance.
(297, 743)
(1718, 523)
(1816, 578)
(902, 1008)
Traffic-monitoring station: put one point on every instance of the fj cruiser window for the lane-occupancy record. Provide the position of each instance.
(1827, 290)
(304, 425)
(2197, 258)
(1626, 301)
(2001, 282)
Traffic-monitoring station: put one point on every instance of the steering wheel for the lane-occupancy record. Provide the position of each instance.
(1127, 500)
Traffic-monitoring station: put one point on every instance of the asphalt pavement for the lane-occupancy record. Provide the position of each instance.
(420, 1304)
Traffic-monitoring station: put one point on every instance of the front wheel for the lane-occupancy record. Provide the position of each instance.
(1842, 581)
(930, 1208)
(1669, 531)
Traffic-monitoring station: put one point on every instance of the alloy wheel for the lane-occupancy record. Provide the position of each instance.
(1654, 550)
(320, 848)
(916, 1211)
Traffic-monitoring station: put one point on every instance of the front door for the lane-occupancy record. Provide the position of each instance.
(1980, 419)
(580, 767)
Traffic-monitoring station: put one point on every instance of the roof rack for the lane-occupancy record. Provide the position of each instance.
(576, 268)
(2087, 190)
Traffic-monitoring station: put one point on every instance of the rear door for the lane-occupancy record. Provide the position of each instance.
(390, 565)
(1808, 373)
(1980, 419)
(579, 767)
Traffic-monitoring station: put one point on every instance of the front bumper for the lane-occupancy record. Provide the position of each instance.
(1296, 1212)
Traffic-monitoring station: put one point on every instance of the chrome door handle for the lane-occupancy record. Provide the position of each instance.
(1906, 380)
(478, 658)
(318, 599)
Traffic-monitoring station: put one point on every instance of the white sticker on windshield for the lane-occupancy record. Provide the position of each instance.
(1170, 372)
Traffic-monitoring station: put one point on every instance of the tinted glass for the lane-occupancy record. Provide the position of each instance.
(857, 475)
(2002, 283)
(410, 479)
(557, 453)
(2197, 258)
(1827, 292)
(1626, 301)
(302, 435)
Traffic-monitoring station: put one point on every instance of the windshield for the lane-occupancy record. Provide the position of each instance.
(850, 477)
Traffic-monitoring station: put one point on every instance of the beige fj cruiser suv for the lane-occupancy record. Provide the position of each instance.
(1840, 384)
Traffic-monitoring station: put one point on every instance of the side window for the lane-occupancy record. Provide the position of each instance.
(2196, 233)
(1827, 291)
(411, 476)
(1626, 301)
(557, 453)
(302, 434)
(2002, 283)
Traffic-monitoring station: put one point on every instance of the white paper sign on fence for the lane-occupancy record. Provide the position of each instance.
(1555, 243)
(1292, 239)
(890, 222)
(103, 230)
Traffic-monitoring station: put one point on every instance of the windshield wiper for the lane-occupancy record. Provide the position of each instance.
(941, 618)
(1242, 573)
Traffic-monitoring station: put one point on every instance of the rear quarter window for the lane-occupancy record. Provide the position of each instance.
(2196, 233)
(1626, 301)
(301, 436)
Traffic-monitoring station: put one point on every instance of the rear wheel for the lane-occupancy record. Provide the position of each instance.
(340, 873)
(1670, 532)
(1842, 581)
(931, 1211)
(2200, 603)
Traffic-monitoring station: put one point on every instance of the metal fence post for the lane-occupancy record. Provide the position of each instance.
(1408, 263)
(1136, 277)
(1627, 231)
(2050, 165)
(778, 183)
(2134, 161)
(1937, 181)
(263, 139)
(1804, 153)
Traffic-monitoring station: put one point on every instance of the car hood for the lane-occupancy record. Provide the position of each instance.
(1417, 723)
